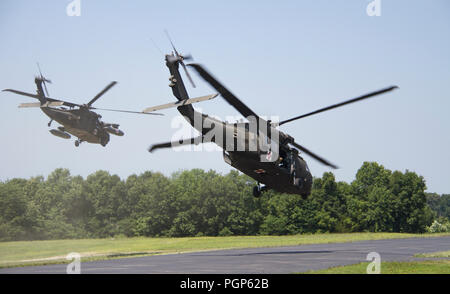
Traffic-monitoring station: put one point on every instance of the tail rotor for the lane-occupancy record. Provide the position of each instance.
(180, 58)
(43, 79)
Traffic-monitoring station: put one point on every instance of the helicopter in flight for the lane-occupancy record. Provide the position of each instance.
(78, 119)
(284, 171)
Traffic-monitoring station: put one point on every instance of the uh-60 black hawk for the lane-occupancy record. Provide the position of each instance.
(78, 120)
(285, 172)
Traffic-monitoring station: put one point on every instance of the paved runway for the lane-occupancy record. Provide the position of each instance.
(278, 260)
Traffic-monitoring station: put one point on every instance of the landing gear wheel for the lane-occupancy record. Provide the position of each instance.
(297, 182)
(294, 179)
(256, 191)
(77, 143)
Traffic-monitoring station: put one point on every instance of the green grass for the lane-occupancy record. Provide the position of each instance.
(413, 267)
(440, 254)
(54, 251)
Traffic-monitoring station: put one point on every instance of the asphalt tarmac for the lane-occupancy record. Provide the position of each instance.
(276, 260)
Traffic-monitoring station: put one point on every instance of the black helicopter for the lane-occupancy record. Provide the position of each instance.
(78, 120)
(286, 172)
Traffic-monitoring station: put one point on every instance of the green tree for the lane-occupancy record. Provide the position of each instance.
(388, 201)
(104, 192)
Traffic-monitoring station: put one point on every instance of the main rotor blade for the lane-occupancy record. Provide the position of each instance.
(317, 157)
(127, 111)
(101, 93)
(182, 142)
(21, 93)
(69, 104)
(187, 73)
(229, 97)
(341, 104)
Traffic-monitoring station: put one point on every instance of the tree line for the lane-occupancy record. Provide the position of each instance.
(206, 203)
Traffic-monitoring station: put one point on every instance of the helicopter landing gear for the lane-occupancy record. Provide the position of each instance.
(103, 141)
(77, 143)
(50, 122)
(257, 190)
(297, 181)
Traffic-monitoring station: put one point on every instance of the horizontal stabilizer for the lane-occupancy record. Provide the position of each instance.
(37, 104)
(24, 105)
(180, 103)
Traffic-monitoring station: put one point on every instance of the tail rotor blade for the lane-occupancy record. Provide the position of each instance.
(187, 74)
(44, 80)
(171, 43)
(187, 57)
(45, 87)
(40, 72)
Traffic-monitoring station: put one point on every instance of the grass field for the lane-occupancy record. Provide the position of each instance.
(55, 251)
(441, 266)
(434, 254)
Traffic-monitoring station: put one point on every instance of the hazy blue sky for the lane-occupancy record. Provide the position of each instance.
(281, 58)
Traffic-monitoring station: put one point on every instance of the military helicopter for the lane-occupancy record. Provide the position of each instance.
(79, 120)
(286, 172)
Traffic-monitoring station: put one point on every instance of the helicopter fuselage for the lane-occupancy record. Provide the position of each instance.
(82, 123)
(244, 151)
(77, 119)
(287, 173)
